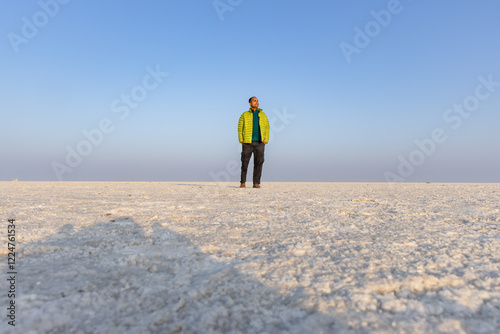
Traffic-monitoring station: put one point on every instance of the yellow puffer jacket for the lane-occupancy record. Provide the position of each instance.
(245, 127)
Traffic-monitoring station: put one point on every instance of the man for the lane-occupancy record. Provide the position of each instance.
(253, 133)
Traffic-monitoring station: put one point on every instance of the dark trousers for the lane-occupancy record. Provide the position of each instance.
(257, 148)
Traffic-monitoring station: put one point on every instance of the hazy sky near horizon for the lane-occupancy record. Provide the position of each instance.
(152, 91)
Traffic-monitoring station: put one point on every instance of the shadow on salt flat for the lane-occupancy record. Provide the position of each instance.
(114, 277)
(110, 276)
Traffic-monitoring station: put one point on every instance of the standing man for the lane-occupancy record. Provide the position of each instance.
(253, 133)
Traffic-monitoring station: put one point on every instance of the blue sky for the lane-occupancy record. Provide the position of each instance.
(367, 91)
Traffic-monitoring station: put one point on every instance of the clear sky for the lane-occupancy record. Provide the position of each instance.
(152, 90)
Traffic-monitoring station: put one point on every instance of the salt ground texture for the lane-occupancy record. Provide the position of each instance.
(200, 257)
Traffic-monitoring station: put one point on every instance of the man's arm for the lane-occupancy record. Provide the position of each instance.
(265, 130)
(240, 129)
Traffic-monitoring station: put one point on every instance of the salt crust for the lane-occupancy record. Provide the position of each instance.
(199, 257)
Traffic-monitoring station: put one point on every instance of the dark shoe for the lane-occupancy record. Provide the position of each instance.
(242, 185)
(256, 185)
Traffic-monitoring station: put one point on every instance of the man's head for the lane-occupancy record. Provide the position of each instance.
(254, 102)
